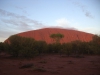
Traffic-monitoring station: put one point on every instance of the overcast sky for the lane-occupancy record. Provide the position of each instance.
(23, 15)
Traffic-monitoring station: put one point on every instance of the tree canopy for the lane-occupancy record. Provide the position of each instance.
(57, 37)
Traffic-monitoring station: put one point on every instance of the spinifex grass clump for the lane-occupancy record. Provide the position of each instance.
(29, 65)
(43, 62)
(39, 69)
(70, 62)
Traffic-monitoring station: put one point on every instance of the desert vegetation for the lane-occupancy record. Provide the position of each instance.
(57, 37)
(18, 46)
(28, 57)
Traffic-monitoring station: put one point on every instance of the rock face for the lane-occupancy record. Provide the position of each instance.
(69, 35)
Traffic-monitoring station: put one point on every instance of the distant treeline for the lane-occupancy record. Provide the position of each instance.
(19, 46)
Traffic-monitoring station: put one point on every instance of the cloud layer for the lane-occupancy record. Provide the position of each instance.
(83, 8)
(62, 22)
(18, 20)
(16, 23)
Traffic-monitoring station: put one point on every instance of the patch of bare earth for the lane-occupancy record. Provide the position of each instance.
(50, 65)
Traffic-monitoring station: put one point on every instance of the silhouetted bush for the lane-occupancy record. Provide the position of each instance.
(28, 47)
(21, 46)
(1, 47)
(41, 46)
(54, 48)
(66, 49)
(95, 44)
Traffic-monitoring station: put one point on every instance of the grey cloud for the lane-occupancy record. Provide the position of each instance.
(5, 13)
(21, 8)
(88, 14)
(11, 23)
(18, 20)
(83, 8)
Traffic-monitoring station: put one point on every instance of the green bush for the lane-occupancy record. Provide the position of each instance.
(54, 48)
(1, 47)
(67, 49)
(41, 46)
(21, 46)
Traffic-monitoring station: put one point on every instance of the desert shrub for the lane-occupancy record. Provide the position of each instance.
(40, 46)
(1, 47)
(21, 46)
(70, 62)
(50, 48)
(27, 48)
(43, 61)
(28, 65)
(28, 53)
(95, 44)
(54, 48)
(39, 69)
(14, 45)
(57, 47)
(67, 48)
(7, 47)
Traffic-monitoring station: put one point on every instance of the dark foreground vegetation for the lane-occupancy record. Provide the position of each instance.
(18, 46)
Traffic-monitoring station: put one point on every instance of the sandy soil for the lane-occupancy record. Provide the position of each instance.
(51, 65)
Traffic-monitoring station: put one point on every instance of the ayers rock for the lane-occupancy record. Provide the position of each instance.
(69, 35)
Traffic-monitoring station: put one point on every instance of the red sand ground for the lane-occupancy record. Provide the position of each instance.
(69, 35)
(51, 65)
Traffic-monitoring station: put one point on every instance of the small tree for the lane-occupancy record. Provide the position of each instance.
(57, 37)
